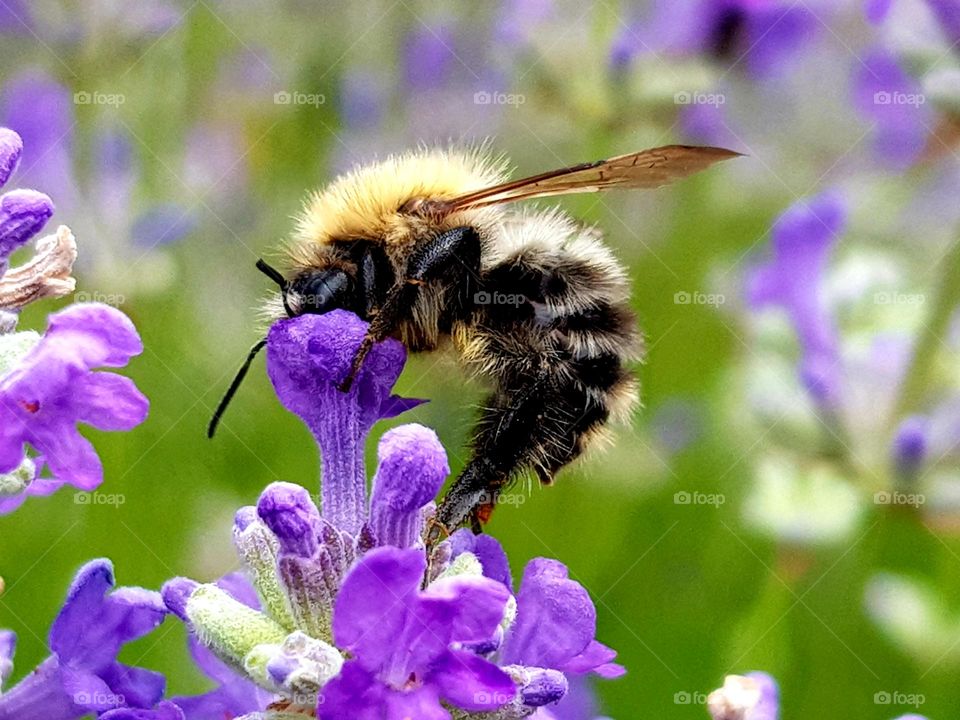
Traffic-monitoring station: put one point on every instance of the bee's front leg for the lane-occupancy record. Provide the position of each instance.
(452, 258)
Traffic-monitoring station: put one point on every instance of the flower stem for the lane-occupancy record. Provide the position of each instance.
(946, 299)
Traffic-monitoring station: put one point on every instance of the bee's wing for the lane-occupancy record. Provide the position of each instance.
(645, 169)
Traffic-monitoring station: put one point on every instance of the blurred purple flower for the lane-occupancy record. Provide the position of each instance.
(40, 109)
(15, 18)
(517, 20)
(894, 101)
(947, 13)
(792, 279)
(363, 99)
(82, 675)
(428, 57)
(53, 388)
(763, 34)
(402, 641)
(910, 445)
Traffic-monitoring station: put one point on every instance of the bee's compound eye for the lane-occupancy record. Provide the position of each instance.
(322, 291)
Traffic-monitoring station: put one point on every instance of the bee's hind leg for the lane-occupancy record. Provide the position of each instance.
(452, 258)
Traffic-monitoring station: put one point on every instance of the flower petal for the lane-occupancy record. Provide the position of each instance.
(11, 148)
(23, 213)
(374, 602)
(556, 620)
(108, 401)
(470, 682)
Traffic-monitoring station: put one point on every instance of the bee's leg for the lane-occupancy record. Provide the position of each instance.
(452, 258)
(541, 427)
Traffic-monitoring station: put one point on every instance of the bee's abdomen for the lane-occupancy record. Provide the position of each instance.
(555, 334)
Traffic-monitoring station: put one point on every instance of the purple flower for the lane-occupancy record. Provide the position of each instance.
(556, 625)
(402, 641)
(307, 357)
(947, 13)
(83, 675)
(40, 109)
(764, 36)
(411, 470)
(803, 238)
(53, 388)
(428, 58)
(893, 100)
(910, 445)
(23, 213)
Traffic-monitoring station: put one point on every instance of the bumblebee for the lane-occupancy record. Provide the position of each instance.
(427, 248)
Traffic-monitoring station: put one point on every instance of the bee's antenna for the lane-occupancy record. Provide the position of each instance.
(275, 275)
(234, 386)
(272, 273)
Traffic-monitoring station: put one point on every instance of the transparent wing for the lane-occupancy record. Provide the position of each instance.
(645, 169)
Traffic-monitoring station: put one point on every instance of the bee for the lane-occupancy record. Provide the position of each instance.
(428, 248)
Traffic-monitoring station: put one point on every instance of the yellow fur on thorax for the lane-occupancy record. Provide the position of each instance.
(364, 203)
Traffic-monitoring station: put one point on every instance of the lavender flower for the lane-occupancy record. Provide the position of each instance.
(403, 641)
(803, 238)
(82, 675)
(322, 637)
(48, 386)
(23, 213)
(764, 36)
(894, 102)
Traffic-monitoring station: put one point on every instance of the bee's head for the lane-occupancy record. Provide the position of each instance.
(315, 291)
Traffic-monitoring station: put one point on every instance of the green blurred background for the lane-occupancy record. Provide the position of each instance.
(685, 593)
